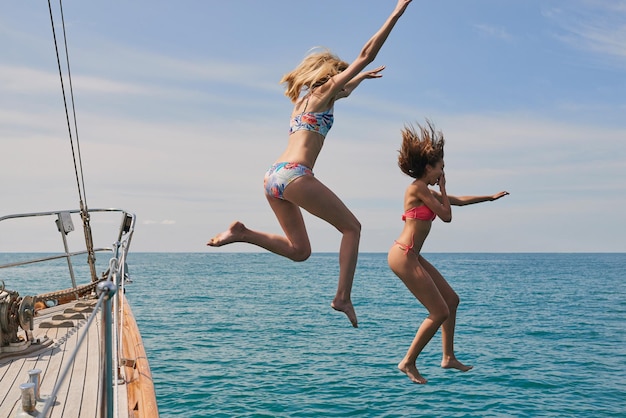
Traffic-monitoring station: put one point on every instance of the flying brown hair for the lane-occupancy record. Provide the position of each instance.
(420, 147)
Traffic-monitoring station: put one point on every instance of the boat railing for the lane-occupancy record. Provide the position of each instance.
(65, 226)
(112, 283)
(106, 290)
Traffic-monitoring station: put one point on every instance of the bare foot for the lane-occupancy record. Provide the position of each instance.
(411, 371)
(232, 234)
(453, 363)
(348, 309)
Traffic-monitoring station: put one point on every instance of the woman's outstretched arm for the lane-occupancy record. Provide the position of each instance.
(470, 200)
(368, 52)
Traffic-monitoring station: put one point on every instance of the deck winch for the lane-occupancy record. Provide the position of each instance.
(15, 313)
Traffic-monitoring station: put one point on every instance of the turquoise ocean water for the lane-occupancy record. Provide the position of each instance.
(253, 335)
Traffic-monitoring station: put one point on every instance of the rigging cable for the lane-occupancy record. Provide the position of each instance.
(78, 166)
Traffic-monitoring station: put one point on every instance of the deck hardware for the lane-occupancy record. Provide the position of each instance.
(128, 362)
(64, 222)
(29, 403)
(34, 377)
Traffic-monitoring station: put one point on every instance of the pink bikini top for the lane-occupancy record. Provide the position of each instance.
(422, 212)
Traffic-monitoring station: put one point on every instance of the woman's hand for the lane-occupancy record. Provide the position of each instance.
(402, 5)
(352, 84)
(442, 182)
(375, 73)
(499, 195)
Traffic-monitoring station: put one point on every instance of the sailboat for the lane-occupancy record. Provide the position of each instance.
(74, 350)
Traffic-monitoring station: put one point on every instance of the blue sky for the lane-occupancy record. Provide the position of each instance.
(180, 114)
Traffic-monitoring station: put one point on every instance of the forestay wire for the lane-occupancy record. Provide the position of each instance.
(74, 144)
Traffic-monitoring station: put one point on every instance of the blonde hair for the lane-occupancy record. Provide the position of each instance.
(314, 70)
(420, 147)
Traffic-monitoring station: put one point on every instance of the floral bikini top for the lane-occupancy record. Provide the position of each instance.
(319, 122)
(422, 212)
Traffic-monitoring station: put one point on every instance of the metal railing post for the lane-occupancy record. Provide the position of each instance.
(106, 406)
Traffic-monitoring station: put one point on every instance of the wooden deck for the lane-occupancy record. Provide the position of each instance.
(58, 329)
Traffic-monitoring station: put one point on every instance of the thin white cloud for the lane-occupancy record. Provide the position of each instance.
(494, 31)
(163, 222)
(595, 26)
(27, 80)
(152, 68)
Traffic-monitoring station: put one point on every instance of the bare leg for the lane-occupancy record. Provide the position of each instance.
(348, 253)
(424, 334)
(314, 197)
(295, 245)
(421, 285)
(310, 194)
(449, 360)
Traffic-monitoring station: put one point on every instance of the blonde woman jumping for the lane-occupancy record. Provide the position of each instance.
(314, 86)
